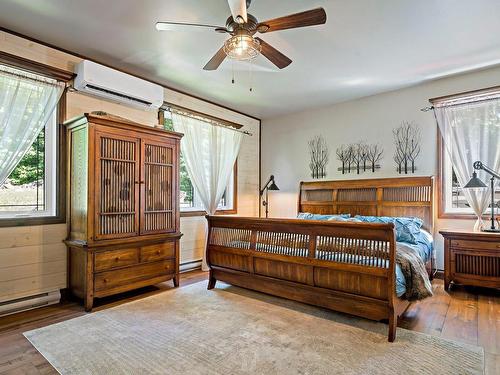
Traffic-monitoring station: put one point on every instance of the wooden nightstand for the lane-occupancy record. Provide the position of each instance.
(471, 258)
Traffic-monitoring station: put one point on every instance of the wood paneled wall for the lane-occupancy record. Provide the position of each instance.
(33, 259)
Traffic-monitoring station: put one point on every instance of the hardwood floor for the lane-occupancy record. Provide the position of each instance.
(465, 314)
(469, 315)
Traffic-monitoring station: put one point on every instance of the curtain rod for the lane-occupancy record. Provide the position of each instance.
(207, 118)
(462, 102)
(476, 96)
(30, 76)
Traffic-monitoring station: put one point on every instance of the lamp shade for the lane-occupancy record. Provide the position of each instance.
(475, 183)
(273, 186)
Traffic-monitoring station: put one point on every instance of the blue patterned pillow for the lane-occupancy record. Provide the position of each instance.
(309, 216)
(407, 228)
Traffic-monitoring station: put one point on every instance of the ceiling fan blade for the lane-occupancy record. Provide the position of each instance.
(182, 26)
(273, 55)
(307, 18)
(238, 10)
(216, 60)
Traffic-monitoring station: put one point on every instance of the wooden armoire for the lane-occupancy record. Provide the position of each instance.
(123, 206)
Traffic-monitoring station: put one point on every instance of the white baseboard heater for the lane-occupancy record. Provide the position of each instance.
(28, 303)
(51, 298)
(190, 266)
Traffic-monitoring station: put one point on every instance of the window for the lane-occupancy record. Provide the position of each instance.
(189, 199)
(32, 193)
(30, 188)
(469, 126)
(453, 202)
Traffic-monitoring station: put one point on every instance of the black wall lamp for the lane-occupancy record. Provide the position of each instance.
(476, 183)
(270, 185)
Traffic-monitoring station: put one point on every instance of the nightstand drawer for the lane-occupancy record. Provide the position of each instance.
(470, 244)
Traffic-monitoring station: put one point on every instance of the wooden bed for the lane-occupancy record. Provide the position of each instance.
(318, 262)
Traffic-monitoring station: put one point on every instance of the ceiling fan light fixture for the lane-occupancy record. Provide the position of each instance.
(242, 47)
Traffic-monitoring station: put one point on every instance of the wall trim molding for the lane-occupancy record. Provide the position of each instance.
(22, 63)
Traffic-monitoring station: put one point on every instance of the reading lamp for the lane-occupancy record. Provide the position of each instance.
(476, 183)
(270, 185)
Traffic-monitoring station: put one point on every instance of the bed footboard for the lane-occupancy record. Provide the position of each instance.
(347, 267)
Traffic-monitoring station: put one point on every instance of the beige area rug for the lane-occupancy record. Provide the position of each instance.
(232, 331)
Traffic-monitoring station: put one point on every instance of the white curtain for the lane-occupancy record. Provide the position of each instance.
(471, 132)
(26, 103)
(210, 152)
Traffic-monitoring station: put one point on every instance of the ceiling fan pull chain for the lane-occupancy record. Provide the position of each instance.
(251, 75)
(232, 71)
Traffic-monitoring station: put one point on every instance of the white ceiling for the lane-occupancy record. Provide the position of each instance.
(366, 46)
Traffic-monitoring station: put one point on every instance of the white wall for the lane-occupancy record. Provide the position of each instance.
(284, 138)
(33, 258)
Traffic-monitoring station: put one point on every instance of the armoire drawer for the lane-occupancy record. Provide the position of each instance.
(129, 275)
(115, 258)
(159, 251)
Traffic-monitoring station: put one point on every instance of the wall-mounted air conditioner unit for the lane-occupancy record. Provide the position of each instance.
(104, 82)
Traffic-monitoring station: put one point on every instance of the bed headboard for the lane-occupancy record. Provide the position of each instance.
(403, 196)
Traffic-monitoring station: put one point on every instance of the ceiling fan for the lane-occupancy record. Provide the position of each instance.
(242, 26)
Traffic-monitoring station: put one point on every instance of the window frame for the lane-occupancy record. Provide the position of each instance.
(224, 211)
(48, 191)
(60, 142)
